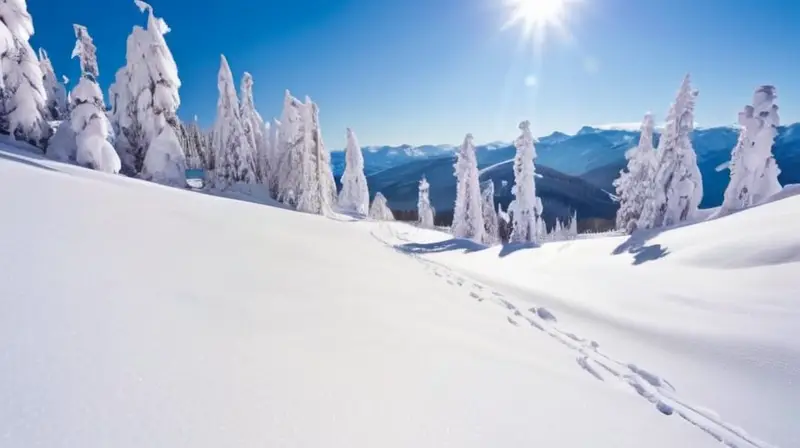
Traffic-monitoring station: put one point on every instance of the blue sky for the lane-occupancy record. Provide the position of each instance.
(429, 71)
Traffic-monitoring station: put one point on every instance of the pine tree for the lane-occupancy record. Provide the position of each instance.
(311, 199)
(292, 152)
(526, 208)
(677, 188)
(425, 211)
(633, 183)
(230, 143)
(144, 97)
(22, 92)
(573, 225)
(491, 224)
(379, 211)
(55, 92)
(253, 126)
(273, 156)
(88, 118)
(320, 161)
(354, 196)
(468, 213)
(754, 172)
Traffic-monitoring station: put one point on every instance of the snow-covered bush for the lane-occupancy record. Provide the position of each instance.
(379, 211)
(62, 145)
(165, 162)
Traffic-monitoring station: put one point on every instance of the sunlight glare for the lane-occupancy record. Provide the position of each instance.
(536, 16)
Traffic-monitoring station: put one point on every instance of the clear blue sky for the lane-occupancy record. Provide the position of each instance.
(428, 71)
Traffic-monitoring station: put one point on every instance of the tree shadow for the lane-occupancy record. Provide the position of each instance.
(25, 161)
(451, 245)
(510, 248)
(636, 244)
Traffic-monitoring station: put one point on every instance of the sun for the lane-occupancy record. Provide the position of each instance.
(536, 17)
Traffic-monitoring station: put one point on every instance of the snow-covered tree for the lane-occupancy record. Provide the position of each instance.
(379, 211)
(291, 151)
(572, 231)
(254, 128)
(88, 118)
(354, 196)
(55, 92)
(310, 199)
(633, 183)
(195, 145)
(677, 188)
(425, 211)
(322, 173)
(144, 97)
(491, 223)
(273, 156)
(468, 213)
(234, 161)
(22, 93)
(526, 208)
(754, 172)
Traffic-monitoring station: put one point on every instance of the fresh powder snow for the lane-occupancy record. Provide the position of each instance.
(134, 314)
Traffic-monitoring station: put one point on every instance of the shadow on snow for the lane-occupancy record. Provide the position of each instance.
(637, 246)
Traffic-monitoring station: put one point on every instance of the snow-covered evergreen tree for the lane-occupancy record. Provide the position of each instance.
(55, 92)
(677, 188)
(468, 213)
(292, 153)
(273, 156)
(254, 129)
(22, 93)
(88, 118)
(526, 207)
(322, 173)
(754, 172)
(425, 211)
(633, 183)
(379, 211)
(144, 97)
(195, 145)
(310, 199)
(491, 223)
(572, 232)
(234, 161)
(354, 196)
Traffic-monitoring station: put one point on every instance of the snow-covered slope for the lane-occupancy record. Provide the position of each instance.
(710, 310)
(133, 315)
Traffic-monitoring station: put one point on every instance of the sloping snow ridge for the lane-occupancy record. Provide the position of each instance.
(134, 314)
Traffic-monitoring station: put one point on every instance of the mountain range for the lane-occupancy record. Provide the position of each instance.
(575, 171)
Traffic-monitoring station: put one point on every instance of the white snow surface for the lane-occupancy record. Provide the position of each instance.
(134, 314)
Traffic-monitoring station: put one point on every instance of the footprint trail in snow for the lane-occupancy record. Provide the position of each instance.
(651, 387)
